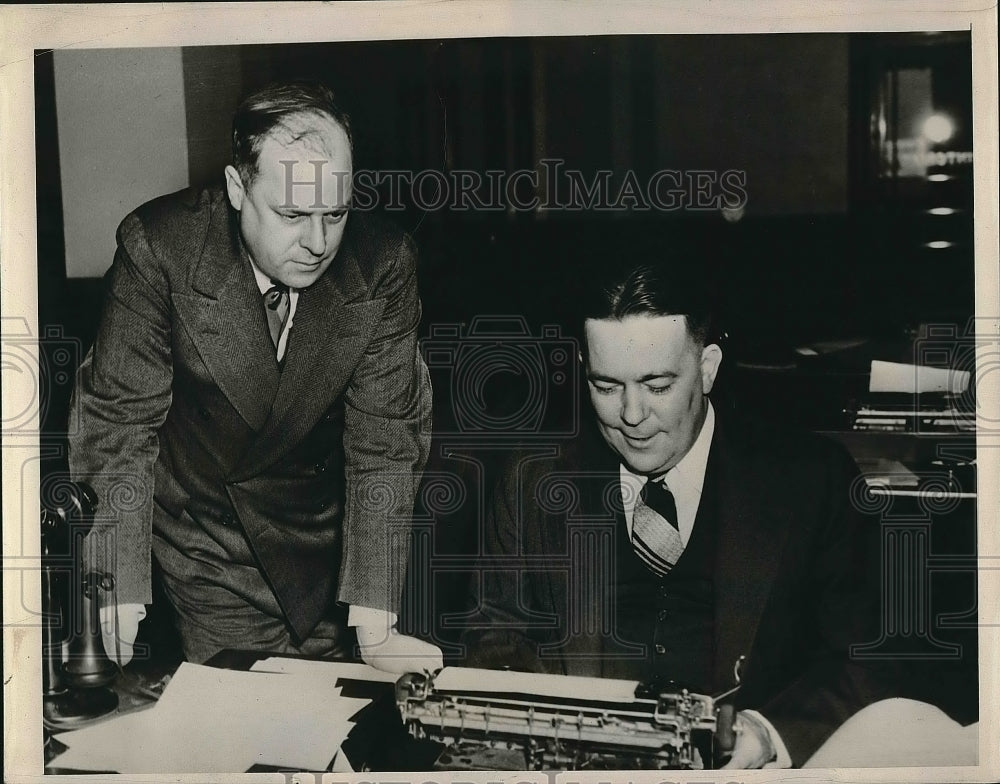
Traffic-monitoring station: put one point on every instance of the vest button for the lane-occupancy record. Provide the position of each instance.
(662, 615)
(660, 650)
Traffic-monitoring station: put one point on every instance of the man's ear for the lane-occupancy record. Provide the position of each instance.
(234, 188)
(711, 359)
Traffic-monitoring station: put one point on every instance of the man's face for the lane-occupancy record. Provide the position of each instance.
(648, 379)
(293, 214)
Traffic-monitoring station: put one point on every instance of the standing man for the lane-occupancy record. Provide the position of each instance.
(667, 543)
(254, 413)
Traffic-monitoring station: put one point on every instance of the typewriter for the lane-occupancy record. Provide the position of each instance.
(501, 720)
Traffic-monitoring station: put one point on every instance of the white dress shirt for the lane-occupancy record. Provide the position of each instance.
(685, 482)
(264, 283)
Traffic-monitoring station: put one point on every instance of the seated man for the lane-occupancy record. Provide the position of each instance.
(670, 542)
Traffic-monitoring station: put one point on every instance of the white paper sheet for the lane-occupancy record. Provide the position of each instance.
(211, 720)
(468, 679)
(333, 669)
(911, 379)
(885, 472)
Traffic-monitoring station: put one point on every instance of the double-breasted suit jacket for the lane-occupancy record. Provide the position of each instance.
(201, 447)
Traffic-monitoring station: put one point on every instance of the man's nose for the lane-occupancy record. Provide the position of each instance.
(633, 407)
(314, 239)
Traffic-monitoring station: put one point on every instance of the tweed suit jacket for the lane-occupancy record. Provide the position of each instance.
(190, 432)
(793, 575)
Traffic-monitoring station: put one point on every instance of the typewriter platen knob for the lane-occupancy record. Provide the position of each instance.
(412, 686)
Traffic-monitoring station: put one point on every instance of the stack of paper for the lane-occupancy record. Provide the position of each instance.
(212, 720)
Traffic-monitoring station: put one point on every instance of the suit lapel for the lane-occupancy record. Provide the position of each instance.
(752, 535)
(224, 317)
(594, 472)
(329, 333)
(607, 502)
(552, 542)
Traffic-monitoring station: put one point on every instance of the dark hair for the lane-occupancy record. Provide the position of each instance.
(270, 108)
(654, 290)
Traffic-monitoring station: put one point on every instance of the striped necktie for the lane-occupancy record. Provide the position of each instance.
(655, 536)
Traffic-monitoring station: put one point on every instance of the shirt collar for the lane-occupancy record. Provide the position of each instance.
(690, 470)
(264, 283)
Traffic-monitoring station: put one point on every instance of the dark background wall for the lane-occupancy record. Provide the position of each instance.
(778, 107)
(821, 251)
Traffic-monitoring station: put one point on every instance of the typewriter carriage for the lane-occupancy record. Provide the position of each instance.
(487, 731)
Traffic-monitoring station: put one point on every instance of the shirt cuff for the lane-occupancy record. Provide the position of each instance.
(358, 615)
(137, 611)
(783, 758)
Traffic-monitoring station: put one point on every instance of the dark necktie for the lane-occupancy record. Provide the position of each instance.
(277, 304)
(655, 536)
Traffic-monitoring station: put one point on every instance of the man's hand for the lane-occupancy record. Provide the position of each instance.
(753, 748)
(386, 649)
(129, 616)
